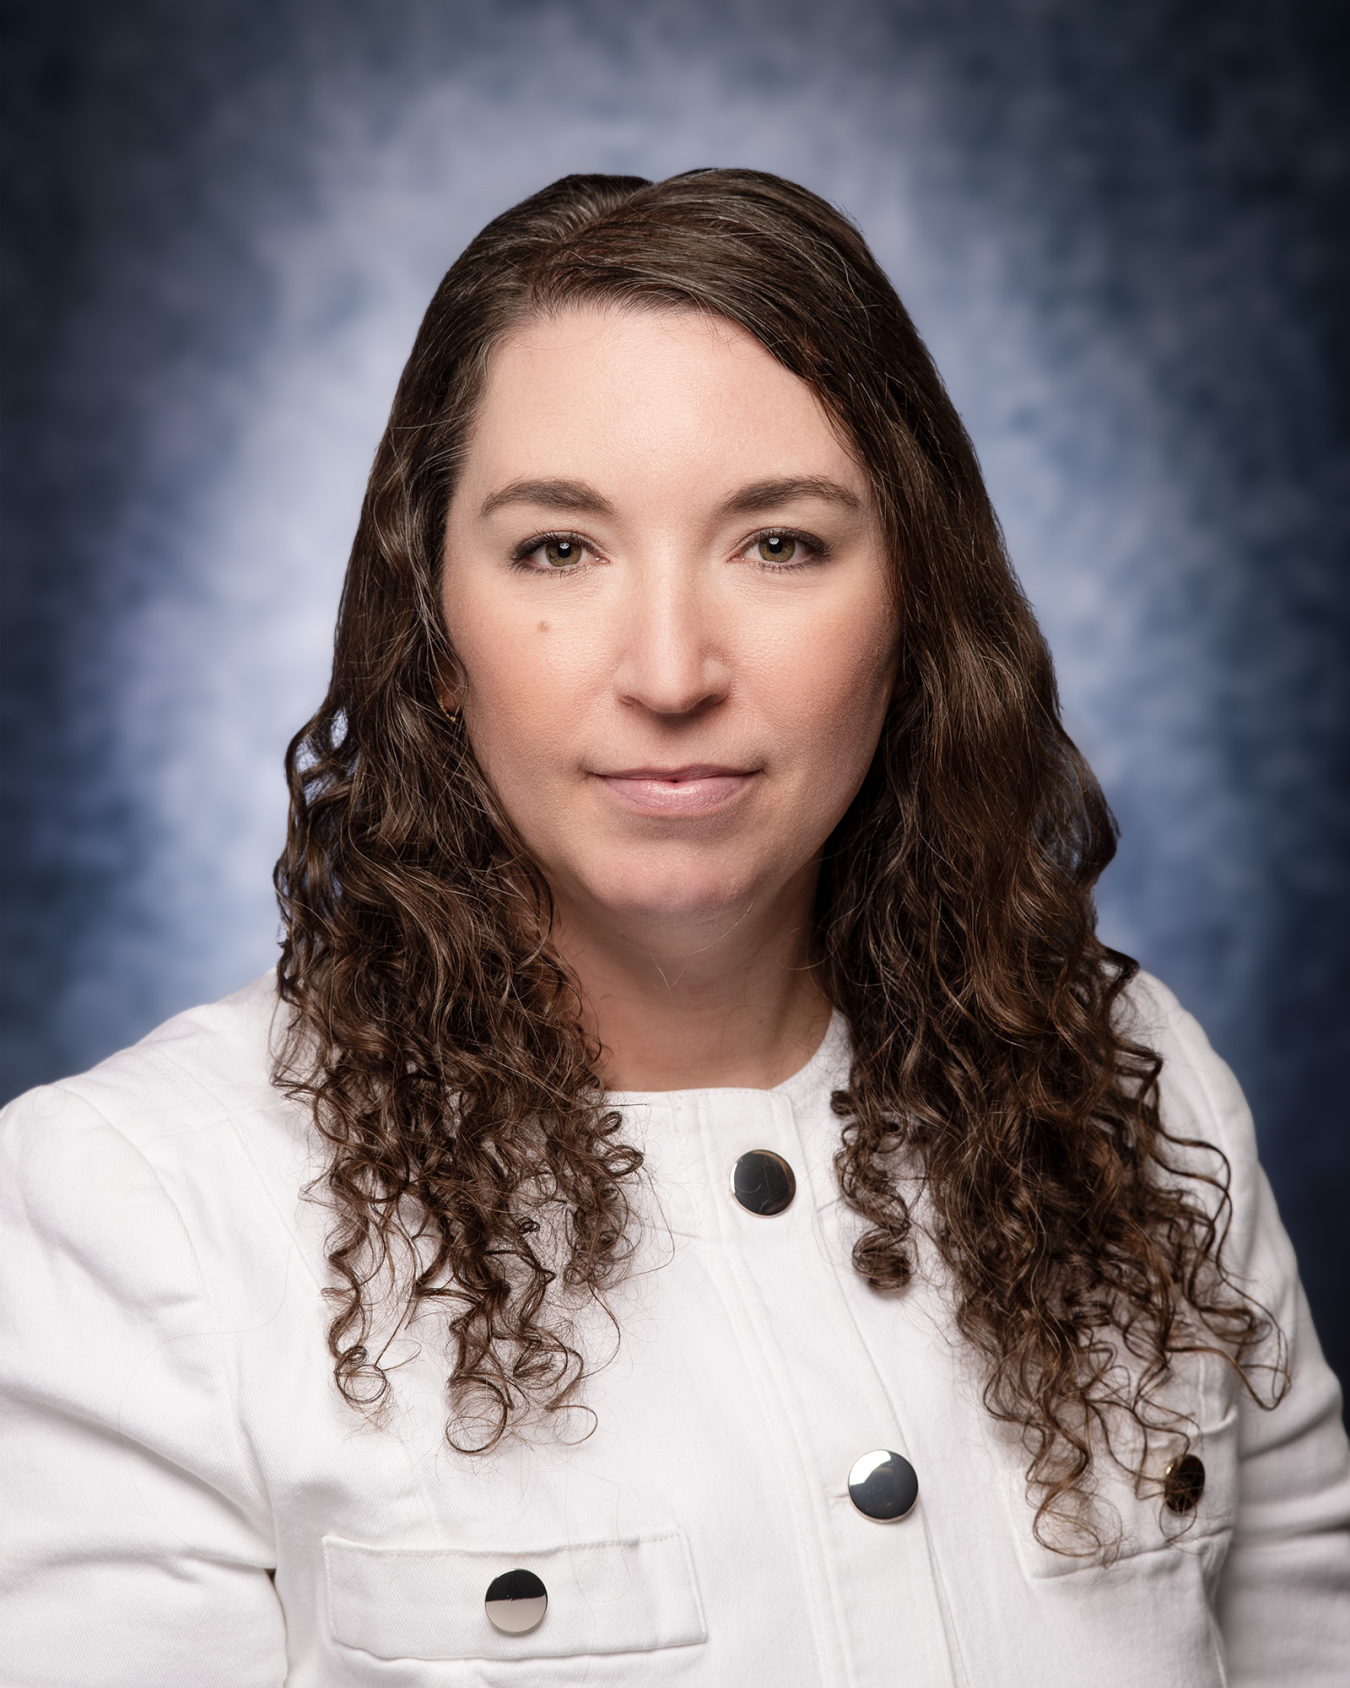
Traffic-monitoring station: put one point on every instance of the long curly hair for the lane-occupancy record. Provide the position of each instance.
(474, 1171)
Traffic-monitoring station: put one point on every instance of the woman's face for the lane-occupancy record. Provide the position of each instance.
(668, 589)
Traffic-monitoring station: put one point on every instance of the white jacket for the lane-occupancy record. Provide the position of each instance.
(186, 1502)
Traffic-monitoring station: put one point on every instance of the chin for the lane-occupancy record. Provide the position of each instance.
(675, 895)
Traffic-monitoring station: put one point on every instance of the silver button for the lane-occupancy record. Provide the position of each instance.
(883, 1485)
(763, 1182)
(516, 1602)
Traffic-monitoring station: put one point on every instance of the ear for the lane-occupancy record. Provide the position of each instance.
(898, 678)
(448, 685)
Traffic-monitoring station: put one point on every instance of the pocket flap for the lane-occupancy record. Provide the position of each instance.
(427, 1603)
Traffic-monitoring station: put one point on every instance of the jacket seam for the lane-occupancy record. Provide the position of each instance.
(221, 1392)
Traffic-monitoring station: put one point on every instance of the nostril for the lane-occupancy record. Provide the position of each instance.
(675, 708)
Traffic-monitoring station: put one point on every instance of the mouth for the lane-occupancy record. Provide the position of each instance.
(701, 789)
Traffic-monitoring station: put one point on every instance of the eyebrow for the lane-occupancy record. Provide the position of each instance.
(583, 500)
(576, 496)
(765, 495)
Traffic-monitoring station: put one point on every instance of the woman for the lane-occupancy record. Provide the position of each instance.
(698, 1202)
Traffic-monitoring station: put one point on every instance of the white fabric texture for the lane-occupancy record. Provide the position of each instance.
(185, 1499)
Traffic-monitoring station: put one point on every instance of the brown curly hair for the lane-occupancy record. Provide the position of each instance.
(473, 1164)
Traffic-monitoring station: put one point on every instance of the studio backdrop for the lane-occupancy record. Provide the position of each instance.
(1121, 228)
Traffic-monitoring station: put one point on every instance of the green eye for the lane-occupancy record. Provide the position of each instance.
(778, 548)
(558, 553)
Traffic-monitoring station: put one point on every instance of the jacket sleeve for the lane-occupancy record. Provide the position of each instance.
(1284, 1594)
(135, 1539)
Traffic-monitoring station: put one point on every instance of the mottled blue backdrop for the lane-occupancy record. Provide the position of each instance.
(1121, 226)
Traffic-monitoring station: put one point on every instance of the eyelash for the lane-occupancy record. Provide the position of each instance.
(520, 557)
(819, 551)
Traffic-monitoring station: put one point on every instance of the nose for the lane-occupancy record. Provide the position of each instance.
(673, 662)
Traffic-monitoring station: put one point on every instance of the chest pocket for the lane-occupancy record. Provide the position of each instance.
(1147, 1524)
(633, 1596)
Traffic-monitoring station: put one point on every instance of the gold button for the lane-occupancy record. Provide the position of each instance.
(1184, 1483)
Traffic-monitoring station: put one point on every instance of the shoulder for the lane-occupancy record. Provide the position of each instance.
(208, 1063)
(1203, 1109)
(1198, 1087)
(164, 1145)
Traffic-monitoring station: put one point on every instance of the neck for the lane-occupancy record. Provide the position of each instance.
(723, 999)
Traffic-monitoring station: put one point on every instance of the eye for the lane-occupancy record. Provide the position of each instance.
(785, 549)
(558, 553)
(551, 553)
(777, 548)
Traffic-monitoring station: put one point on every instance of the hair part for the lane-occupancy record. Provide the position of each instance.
(473, 1163)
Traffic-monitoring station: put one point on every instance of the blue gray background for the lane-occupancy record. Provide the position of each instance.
(1122, 228)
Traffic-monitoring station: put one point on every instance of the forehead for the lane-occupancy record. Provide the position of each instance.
(597, 389)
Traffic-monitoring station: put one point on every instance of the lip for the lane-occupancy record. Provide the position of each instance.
(700, 789)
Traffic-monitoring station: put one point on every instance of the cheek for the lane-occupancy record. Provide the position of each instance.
(527, 690)
(831, 691)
